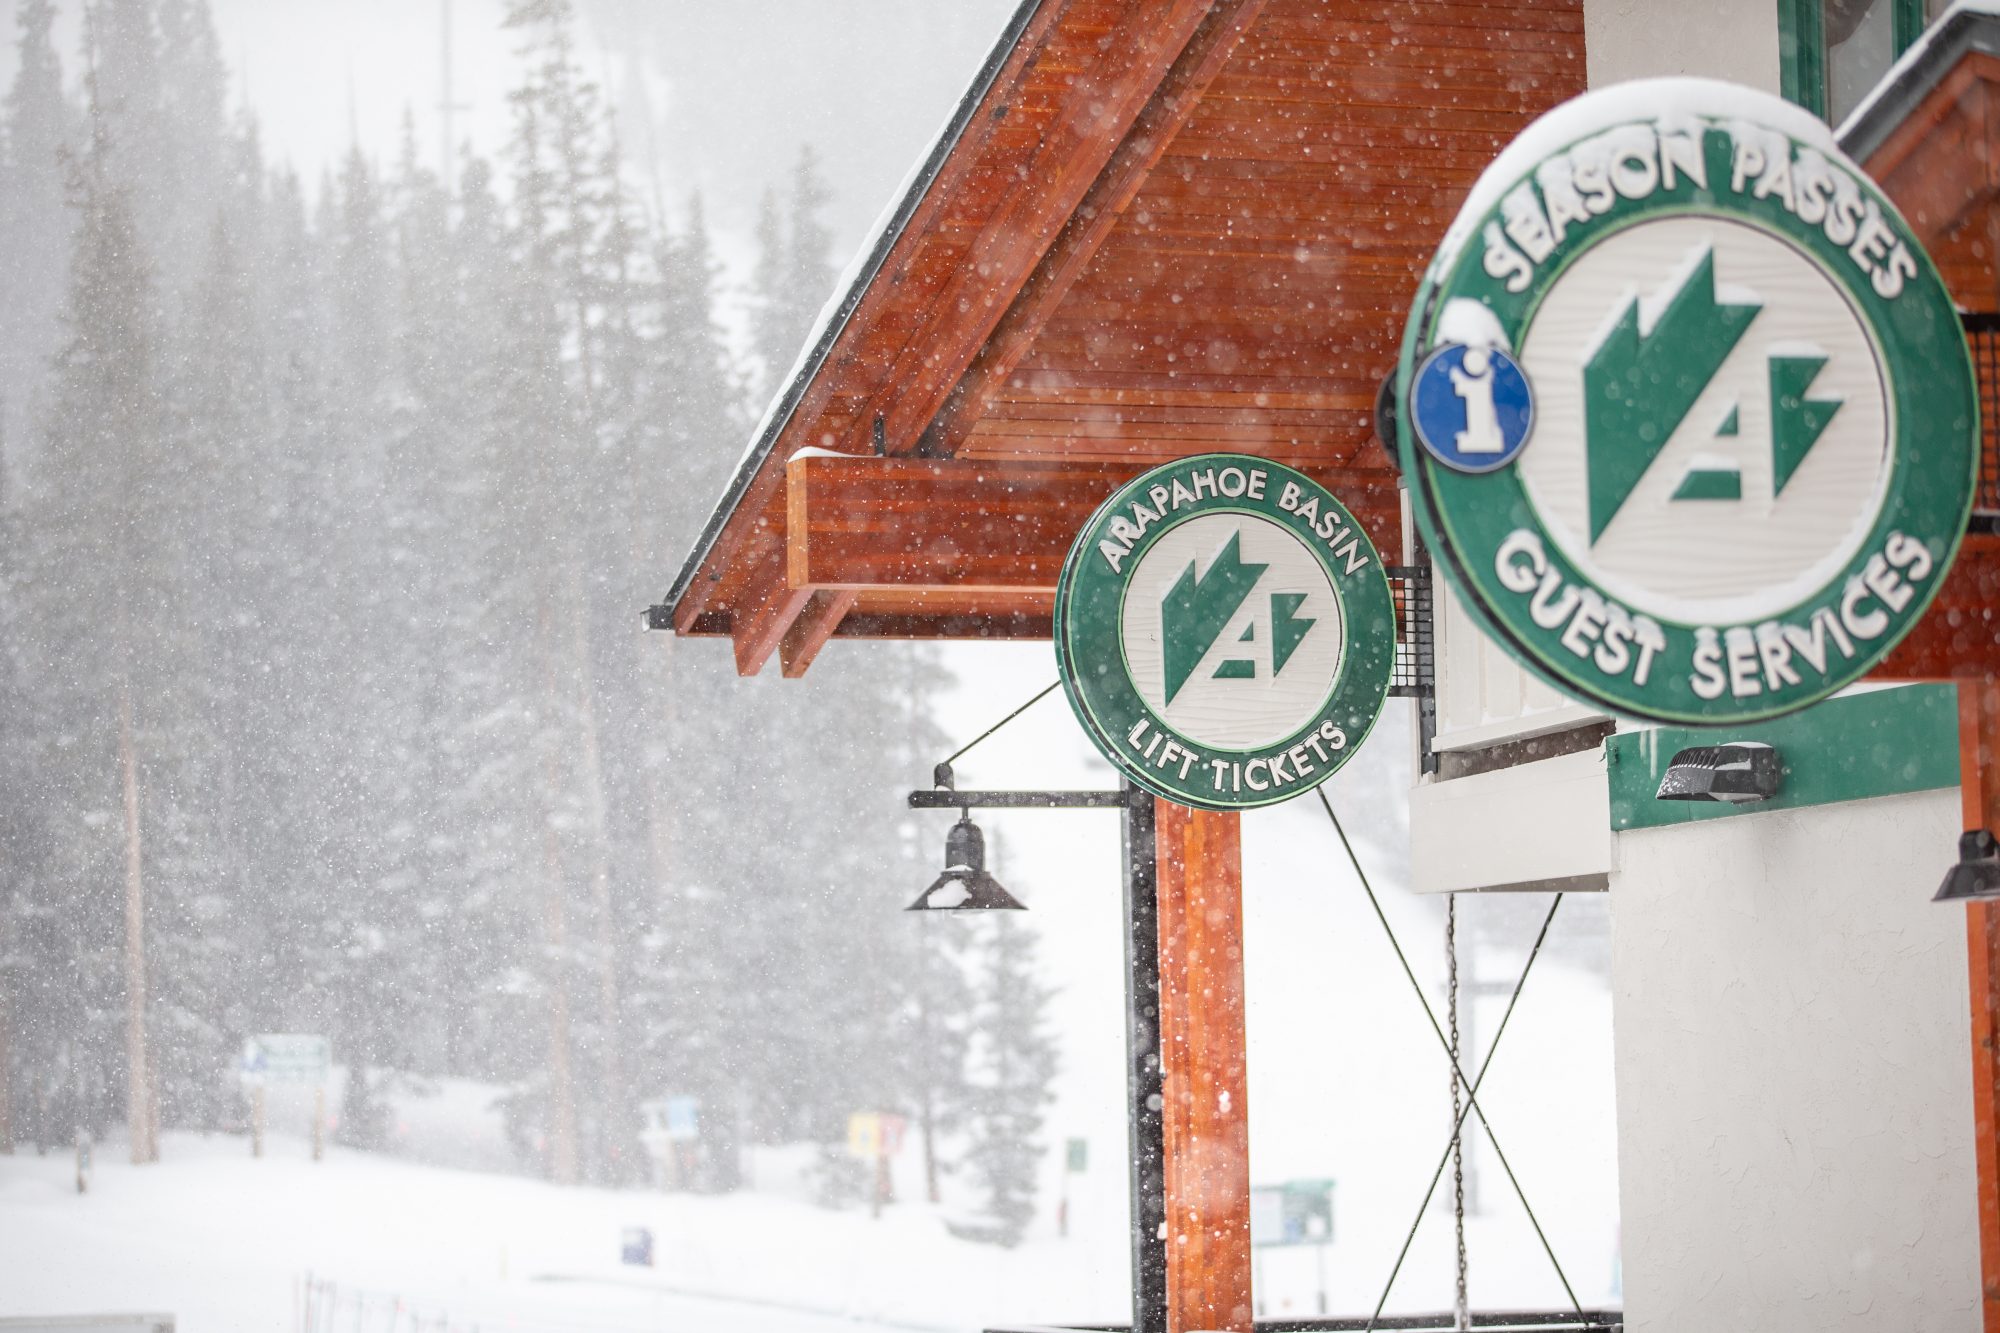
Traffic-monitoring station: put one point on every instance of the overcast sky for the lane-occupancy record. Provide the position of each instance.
(712, 97)
(715, 98)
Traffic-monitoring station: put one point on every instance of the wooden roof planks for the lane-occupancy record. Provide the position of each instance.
(1161, 227)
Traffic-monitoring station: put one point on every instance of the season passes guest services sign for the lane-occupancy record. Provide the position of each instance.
(1225, 631)
(1688, 416)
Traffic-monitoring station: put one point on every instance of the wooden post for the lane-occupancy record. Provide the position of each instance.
(319, 1121)
(257, 1121)
(1202, 1050)
(1979, 783)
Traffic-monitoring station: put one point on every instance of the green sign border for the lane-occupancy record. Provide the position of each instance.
(1090, 652)
(1934, 414)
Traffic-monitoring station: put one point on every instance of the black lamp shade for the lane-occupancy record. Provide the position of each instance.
(965, 886)
(1977, 874)
(1737, 772)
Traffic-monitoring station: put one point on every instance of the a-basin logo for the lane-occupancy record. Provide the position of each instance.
(1225, 631)
(1754, 425)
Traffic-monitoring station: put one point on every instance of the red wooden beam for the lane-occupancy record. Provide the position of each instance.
(1202, 1054)
(816, 624)
(959, 530)
(1938, 164)
(981, 146)
(1099, 109)
(1979, 785)
(758, 634)
(1213, 43)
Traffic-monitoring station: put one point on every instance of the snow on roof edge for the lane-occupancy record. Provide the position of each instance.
(853, 281)
(1958, 20)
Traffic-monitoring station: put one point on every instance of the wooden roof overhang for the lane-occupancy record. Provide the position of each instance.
(1153, 228)
(1930, 137)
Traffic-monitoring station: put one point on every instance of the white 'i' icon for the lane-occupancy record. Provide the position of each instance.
(1473, 383)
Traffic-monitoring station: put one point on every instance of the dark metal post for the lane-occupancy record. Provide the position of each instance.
(1142, 1015)
(1142, 1034)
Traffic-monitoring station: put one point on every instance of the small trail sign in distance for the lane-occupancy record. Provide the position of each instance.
(287, 1057)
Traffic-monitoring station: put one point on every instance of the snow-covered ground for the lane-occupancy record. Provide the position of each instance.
(1346, 1082)
(225, 1243)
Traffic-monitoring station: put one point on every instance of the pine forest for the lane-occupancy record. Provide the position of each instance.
(331, 509)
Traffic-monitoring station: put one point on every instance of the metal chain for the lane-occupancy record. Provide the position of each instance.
(1460, 1308)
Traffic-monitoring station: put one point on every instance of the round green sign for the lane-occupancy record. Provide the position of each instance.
(1689, 420)
(1225, 631)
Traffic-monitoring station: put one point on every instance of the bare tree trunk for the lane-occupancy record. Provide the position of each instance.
(610, 1053)
(138, 1083)
(927, 1122)
(6, 1068)
(555, 941)
(562, 1089)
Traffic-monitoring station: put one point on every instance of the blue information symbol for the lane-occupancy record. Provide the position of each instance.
(1471, 407)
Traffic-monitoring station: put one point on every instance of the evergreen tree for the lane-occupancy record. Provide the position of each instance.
(564, 207)
(773, 335)
(1014, 1061)
(122, 47)
(794, 275)
(100, 487)
(193, 89)
(318, 646)
(809, 273)
(34, 224)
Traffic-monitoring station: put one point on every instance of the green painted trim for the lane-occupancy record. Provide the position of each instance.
(1908, 23)
(1802, 54)
(1802, 46)
(1882, 743)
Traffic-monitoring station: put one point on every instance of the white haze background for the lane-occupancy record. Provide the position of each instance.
(1345, 1080)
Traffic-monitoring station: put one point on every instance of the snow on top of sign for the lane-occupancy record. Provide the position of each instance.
(1473, 323)
(1911, 57)
(1667, 102)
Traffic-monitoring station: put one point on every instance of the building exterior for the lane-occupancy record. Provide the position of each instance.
(1794, 1062)
(1161, 228)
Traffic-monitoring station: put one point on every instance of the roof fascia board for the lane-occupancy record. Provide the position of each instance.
(780, 415)
(1963, 29)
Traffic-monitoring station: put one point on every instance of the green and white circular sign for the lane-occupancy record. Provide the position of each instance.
(1689, 419)
(1225, 631)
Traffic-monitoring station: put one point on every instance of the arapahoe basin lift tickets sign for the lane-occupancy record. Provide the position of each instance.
(1225, 631)
(1687, 415)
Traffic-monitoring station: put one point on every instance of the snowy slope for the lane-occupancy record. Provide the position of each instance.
(223, 1242)
(1346, 1082)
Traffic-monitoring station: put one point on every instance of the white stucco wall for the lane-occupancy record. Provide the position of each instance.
(1794, 1088)
(1716, 39)
(1542, 826)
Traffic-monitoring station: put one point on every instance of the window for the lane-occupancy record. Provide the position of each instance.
(1831, 52)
